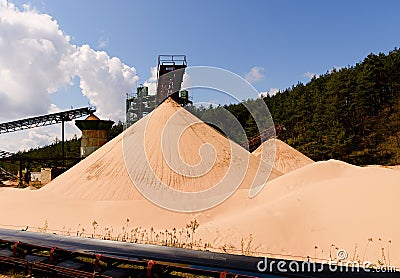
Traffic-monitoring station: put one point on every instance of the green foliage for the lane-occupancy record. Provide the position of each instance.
(115, 130)
(351, 114)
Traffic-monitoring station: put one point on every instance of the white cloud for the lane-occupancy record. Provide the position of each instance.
(153, 77)
(38, 138)
(102, 42)
(271, 92)
(104, 81)
(54, 108)
(34, 61)
(186, 81)
(37, 59)
(32, 138)
(254, 75)
(311, 74)
(152, 81)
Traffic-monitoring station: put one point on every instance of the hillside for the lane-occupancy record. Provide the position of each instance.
(350, 114)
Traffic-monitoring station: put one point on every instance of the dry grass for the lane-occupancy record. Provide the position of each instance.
(183, 237)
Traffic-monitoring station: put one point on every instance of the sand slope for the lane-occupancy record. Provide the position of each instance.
(327, 203)
(392, 167)
(104, 175)
(287, 158)
(321, 204)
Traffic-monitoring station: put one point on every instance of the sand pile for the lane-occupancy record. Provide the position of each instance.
(287, 158)
(311, 212)
(323, 207)
(100, 176)
(167, 138)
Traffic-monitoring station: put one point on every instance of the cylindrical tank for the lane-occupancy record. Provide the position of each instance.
(94, 133)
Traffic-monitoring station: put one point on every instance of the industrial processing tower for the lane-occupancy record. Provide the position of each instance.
(170, 71)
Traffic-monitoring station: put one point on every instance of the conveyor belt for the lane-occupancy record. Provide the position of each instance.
(62, 255)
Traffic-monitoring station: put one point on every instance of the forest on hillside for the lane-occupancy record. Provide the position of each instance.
(351, 114)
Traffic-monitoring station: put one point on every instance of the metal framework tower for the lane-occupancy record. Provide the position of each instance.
(139, 105)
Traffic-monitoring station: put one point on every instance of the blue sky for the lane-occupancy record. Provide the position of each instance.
(285, 38)
(274, 43)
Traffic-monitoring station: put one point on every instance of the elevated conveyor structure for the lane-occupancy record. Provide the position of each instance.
(254, 142)
(45, 120)
(171, 69)
(4, 174)
(40, 121)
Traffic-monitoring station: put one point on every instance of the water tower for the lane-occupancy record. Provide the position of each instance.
(94, 133)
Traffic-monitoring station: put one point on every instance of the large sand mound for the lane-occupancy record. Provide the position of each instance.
(327, 206)
(311, 212)
(287, 158)
(104, 175)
